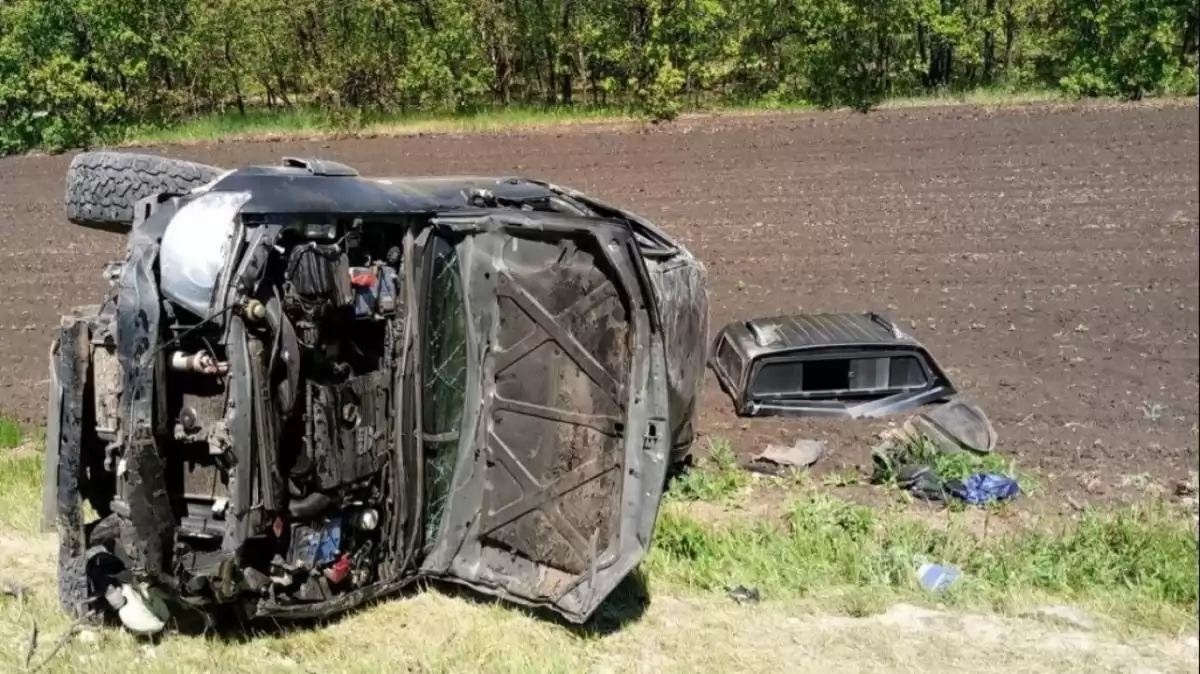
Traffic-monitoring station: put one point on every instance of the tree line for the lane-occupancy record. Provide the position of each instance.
(76, 71)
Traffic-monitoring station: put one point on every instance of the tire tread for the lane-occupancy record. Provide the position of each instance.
(103, 187)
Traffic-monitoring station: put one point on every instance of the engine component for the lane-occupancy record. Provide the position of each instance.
(340, 569)
(374, 290)
(344, 450)
(254, 310)
(202, 362)
(320, 272)
(313, 547)
(309, 506)
(187, 419)
(365, 519)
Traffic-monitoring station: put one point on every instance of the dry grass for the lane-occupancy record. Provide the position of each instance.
(832, 576)
(434, 632)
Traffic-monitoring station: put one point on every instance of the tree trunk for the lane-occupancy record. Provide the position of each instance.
(237, 87)
(1010, 36)
(989, 44)
(564, 53)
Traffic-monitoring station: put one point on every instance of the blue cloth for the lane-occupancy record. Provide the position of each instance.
(982, 488)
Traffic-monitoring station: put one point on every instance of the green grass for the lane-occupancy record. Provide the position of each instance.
(716, 477)
(948, 465)
(310, 121)
(307, 121)
(20, 492)
(1140, 562)
(11, 434)
(1137, 565)
(827, 570)
(994, 96)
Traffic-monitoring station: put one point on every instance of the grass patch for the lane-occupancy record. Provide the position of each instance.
(20, 492)
(311, 121)
(990, 96)
(1136, 569)
(11, 434)
(1140, 562)
(715, 478)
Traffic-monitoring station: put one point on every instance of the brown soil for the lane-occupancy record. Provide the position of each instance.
(1046, 254)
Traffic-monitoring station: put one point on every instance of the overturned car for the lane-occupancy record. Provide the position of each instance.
(308, 388)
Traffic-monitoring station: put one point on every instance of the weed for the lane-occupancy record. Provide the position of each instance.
(957, 465)
(1153, 411)
(714, 478)
(842, 477)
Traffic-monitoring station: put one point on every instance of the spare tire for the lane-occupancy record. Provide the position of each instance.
(103, 187)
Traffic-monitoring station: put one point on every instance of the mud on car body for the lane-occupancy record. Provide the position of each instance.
(308, 388)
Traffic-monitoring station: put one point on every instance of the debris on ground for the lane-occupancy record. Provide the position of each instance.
(1185, 487)
(937, 577)
(745, 595)
(909, 455)
(957, 425)
(918, 479)
(982, 488)
(778, 459)
(1186, 494)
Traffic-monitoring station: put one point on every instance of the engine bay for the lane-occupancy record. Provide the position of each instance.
(316, 516)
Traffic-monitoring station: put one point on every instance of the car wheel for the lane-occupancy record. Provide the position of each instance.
(103, 187)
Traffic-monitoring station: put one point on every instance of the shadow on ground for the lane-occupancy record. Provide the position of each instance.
(624, 607)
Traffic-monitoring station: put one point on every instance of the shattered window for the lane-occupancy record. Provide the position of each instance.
(445, 374)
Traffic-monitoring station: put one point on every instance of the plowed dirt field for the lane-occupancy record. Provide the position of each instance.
(1046, 254)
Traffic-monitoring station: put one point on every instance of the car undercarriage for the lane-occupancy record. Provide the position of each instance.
(307, 389)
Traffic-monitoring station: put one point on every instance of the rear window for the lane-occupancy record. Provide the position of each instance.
(840, 376)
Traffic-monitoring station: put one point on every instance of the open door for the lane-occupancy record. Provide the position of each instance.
(544, 410)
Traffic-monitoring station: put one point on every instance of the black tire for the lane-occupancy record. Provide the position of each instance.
(103, 187)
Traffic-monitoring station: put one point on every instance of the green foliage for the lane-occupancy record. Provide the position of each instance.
(1126, 48)
(73, 72)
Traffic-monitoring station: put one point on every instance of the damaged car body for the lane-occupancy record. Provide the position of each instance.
(309, 388)
(825, 365)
